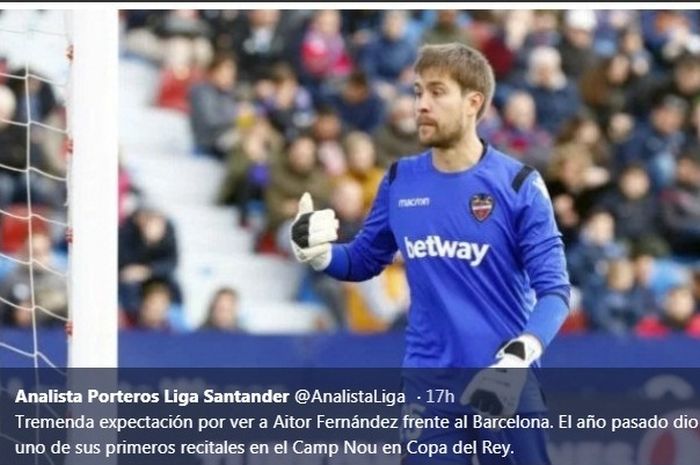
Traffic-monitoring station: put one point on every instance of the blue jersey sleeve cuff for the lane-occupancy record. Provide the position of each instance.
(339, 268)
(547, 317)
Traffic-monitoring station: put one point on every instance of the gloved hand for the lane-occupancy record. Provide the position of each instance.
(495, 391)
(312, 234)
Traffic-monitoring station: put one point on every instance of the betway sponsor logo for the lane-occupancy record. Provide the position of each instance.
(435, 246)
(414, 202)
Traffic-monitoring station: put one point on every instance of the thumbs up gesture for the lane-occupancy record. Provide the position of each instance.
(312, 232)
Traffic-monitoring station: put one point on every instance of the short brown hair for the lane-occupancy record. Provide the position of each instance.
(219, 59)
(465, 65)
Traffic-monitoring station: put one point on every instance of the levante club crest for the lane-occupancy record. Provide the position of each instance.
(481, 206)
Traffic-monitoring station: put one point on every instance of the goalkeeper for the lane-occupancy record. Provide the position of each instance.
(484, 258)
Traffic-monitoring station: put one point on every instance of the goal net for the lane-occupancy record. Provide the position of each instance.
(34, 80)
(58, 194)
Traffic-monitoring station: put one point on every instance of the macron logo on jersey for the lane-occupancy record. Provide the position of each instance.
(435, 246)
(414, 202)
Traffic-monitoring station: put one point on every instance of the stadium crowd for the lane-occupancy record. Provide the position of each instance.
(605, 104)
(33, 158)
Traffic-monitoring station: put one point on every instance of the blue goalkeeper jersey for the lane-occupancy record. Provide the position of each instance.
(480, 247)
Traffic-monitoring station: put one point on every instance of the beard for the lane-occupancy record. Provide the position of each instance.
(440, 137)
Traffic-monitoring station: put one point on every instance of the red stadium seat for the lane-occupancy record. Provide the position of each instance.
(575, 323)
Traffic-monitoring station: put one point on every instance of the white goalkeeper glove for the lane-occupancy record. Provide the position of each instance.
(495, 391)
(312, 233)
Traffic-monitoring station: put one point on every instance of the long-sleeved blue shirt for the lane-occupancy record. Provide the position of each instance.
(481, 248)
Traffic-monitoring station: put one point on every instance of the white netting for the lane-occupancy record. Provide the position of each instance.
(34, 73)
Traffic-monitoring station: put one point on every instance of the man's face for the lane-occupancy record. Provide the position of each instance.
(154, 309)
(634, 184)
(687, 79)
(601, 228)
(224, 77)
(225, 311)
(520, 111)
(442, 110)
(667, 119)
(394, 25)
(302, 155)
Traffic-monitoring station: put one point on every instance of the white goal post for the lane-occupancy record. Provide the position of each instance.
(92, 201)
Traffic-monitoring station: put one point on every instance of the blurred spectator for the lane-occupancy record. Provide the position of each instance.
(358, 104)
(636, 210)
(610, 26)
(138, 36)
(681, 207)
(685, 78)
(683, 81)
(360, 25)
(259, 41)
(631, 44)
(214, 109)
(655, 271)
(184, 50)
(347, 199)
(223, 24)
(489, 123)
(155, 306)
(519, 135)
(584, 130)
(574, 184)
(396, 137)
(185, 38)
(503, 44)
(556, 98)
(37, 102)
(589, 258)
(606, 88)
(13, 151)
(223, 311)
(576, 46)
(47, 282)
(36, 99)
(542, 29)
(248, 167)
(657, 143)
(693, 140)
(147, 251)
(297, 173)
(447, 28)
(327, 132)
(679, 316)
(695, 279)
(670, 33)
(362, 167)
(289, 106)
(324, 55)
(389, 55)
(545, 29)
(619, 304)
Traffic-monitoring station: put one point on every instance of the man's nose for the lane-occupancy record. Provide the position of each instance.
(422, 104)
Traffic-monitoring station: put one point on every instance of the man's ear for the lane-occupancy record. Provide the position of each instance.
(474, 101)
